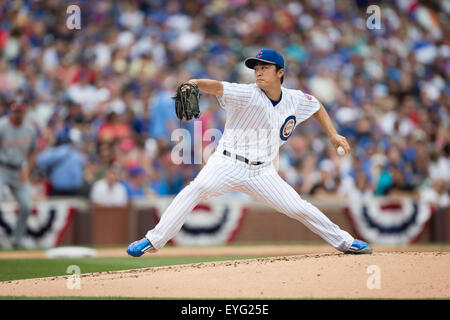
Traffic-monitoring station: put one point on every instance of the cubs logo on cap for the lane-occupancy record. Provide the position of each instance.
(266, 55)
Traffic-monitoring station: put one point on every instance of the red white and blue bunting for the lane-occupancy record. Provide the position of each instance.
(387, 221)
(210, 223)
(46, 225)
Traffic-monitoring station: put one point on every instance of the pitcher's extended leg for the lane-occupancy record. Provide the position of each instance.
(272, 190)
(213, 180)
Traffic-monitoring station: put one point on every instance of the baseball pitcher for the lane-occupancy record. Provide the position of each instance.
(260, 117)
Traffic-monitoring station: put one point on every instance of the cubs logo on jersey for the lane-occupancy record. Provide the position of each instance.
(287, 128)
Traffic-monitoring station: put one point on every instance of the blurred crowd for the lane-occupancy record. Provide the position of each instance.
(100, 97)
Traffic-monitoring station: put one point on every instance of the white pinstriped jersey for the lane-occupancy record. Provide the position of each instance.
(255, 128)
(251, 118)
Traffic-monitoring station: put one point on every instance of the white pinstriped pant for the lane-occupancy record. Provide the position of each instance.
(223, 174)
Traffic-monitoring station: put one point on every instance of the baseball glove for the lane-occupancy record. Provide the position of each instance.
(186, 101)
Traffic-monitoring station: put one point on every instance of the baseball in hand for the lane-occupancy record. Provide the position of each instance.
(341, 151)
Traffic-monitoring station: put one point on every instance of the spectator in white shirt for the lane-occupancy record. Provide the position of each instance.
(437, 194)
(109, 191)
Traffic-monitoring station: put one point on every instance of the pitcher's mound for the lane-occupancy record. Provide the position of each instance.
(380, 275)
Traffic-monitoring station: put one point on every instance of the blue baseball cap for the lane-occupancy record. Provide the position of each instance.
(266, 55)
(136, 170)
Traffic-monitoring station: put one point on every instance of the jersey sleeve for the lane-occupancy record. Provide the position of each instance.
(307, 105)
(236, 95)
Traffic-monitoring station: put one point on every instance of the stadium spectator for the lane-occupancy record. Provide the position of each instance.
(157, 184)
(437, 194)
(114, 128)
(359, 188)
(64, 167)
(326, 181)
(135, 184)
(162, 119)
(109, 191)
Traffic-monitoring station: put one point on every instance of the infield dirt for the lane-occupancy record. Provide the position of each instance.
(296, 272)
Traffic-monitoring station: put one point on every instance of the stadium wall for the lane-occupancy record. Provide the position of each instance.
(110, 226)
(60, 222)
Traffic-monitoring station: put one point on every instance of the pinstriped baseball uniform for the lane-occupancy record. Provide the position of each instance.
(254, 130)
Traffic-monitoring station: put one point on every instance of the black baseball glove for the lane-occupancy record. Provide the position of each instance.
(186, 101)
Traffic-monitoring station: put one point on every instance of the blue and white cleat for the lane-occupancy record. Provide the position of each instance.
(139, 247)
(359, 247)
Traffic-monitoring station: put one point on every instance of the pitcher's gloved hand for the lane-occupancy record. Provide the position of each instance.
(186, 101)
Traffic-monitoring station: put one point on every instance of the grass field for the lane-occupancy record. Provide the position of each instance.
(16, 269)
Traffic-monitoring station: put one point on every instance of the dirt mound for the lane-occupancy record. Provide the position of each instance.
(324, 275)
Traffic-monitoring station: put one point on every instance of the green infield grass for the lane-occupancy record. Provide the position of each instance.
(16, 269)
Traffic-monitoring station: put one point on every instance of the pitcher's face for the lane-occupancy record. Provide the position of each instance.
(266, 75)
